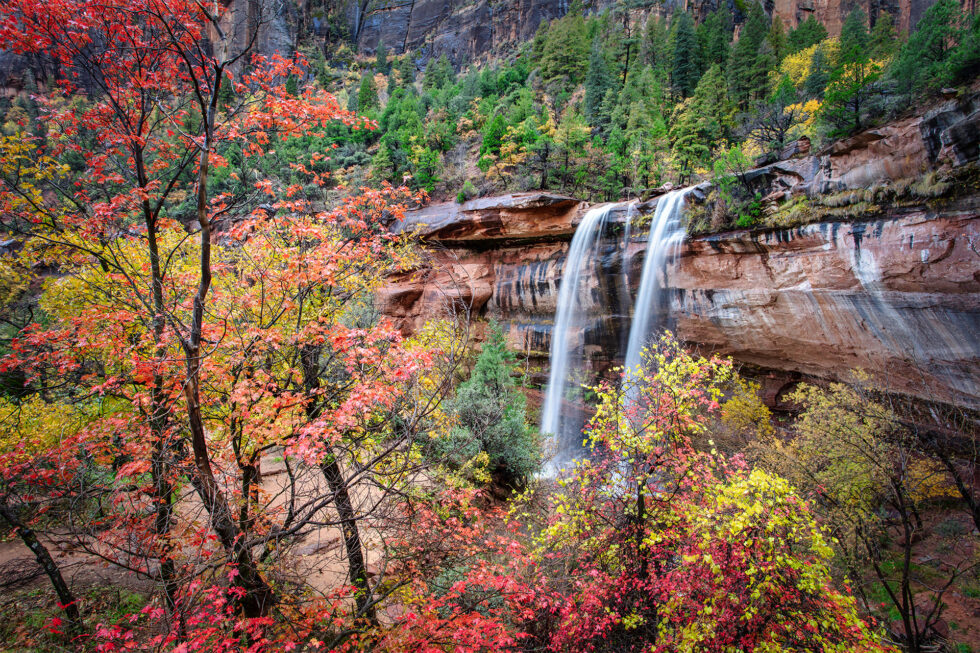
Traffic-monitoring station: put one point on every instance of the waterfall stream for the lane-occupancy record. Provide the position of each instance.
(560, 417)
(666, 234)
(562, 414)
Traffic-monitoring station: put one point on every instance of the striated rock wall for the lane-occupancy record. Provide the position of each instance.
(469, 31)
(474, 30)
(899, 297)
(897, 294)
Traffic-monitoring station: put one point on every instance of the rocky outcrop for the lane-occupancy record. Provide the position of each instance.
(897, 294)
(488, 221)
(899, 297)
(946, 137)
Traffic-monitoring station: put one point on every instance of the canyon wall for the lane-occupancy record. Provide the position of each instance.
(896, 293)
(472, 30)
(898, 296)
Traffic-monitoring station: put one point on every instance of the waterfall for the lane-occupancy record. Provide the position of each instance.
(666, 234)
(562, 414)
(563, 422)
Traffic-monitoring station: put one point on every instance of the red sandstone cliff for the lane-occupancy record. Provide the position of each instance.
(897, 293)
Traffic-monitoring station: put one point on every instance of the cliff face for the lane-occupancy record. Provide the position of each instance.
(897, 294)
(468, 31)
(899, 297)
(462, 31)
(479, 29)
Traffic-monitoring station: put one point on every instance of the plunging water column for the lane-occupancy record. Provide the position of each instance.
(562, 411)
(666, 234)
(559, 417)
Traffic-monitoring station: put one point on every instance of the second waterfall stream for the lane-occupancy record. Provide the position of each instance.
(562, 414)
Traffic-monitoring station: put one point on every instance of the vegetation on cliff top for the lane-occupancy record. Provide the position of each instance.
(609, 105)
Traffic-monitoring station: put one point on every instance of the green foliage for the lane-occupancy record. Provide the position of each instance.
(883, 39)
(943, 50)
(596, 104)
(493, 133)
(467, 192)
(686, 69)
(597, 82)
(853, 80)
(292, 86)
(819, 77)
(777, 39)
(854, 38)
(492, 419)
(367, 94)
(438, 73)
(715, 36)
(655, 51)
(406, 69)
(750, 218)
(565, 50)
(381, 58)
(750, 63)
(807, 34)
(702, 120)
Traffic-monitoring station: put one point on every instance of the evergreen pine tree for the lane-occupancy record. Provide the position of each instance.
(715, 35)
(703, 120)
(597, 82)
(685, 70)
(807, 33)
(438, 73)
(854, 37)
(492, 417)
(883, 39)
(383, 165)
(323, 76)
(493, 134)
(565, 52)
(625, 41)
(777, 39)
(655, 46)
(818, 77)
(746, 69)
(539, 40)
(852, 80)
(944, 49)
(367, 94)
(406, 68)
(381, 58)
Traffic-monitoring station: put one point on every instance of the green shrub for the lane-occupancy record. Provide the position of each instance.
(492, 417)
(468, 192)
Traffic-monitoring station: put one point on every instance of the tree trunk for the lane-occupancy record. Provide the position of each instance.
(65, 598)
(309, 358)
(352, 538)
(160, 457)
(259, 597)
